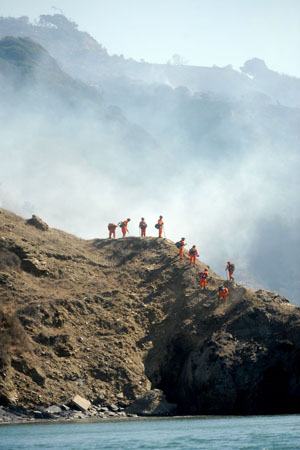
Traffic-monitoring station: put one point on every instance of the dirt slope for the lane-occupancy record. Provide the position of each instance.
(109, 319)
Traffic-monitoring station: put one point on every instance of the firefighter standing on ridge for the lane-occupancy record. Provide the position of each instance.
(112, 230)
(181, 245)
(230, 267)
(193, 252)
(160, 226)
(123, 226)
(203, 278)
(143, 226)
(223, 293)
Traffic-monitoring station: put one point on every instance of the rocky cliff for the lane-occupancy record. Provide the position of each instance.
(111, 319)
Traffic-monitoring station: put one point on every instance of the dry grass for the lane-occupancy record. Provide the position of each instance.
(12, 335)
(8, 259)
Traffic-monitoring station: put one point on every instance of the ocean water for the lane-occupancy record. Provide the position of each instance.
(234, 432)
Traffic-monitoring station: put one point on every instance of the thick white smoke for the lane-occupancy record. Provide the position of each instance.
(79, 171)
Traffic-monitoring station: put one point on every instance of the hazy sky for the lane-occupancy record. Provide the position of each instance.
(203, 32)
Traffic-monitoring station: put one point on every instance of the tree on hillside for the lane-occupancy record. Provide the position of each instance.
(177, 60)
(58, 20)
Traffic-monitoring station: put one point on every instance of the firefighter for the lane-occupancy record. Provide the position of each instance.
(160, 226)
(193, 252)
(112, 230)
(223, 293)
(230, 267)
(181, 245)
(143, 226)
(123, 225)
(203, 278)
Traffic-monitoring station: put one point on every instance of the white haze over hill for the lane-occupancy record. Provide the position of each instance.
(78, 177)
(233, 193)
(204, 32)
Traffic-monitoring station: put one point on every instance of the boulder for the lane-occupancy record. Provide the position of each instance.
(82, 403)
(54, 409)
(152, 403)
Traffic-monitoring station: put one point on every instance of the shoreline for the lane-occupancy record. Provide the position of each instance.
(54, 414)
(127, 418)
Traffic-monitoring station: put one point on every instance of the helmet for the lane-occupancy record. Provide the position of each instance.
(160, 217)
(182, 239)
(206, 269)
(194, 246)
(142, 218)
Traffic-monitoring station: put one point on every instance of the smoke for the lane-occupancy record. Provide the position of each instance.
(79, 169)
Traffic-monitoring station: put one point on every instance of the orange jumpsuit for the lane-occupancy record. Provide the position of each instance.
(124, 229)
(181, 248)
(203, 278)
(193, 255)
(223, 293)
(230, 270)
(112, 230)
(161, 226)
(143, 227)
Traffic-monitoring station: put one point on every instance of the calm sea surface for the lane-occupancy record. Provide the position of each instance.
(255, 432)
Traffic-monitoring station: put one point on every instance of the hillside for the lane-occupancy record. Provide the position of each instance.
(111, 319)
(82, 57)
(33, 83)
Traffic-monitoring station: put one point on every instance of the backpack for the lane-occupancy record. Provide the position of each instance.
(157, 225)
(203, 275)
(122, 224)
(178, 244)
(111, 226)
(221, 288)
(231, 267)
(192, 252)
(143, 225)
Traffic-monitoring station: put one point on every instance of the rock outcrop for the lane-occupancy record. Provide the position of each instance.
(35, 221)
(111, 320)
(152, 403)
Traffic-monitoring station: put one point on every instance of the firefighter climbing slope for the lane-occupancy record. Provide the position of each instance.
(230, 267)
(180, 244)
(223, 293)
(193, 252)
(203, 278)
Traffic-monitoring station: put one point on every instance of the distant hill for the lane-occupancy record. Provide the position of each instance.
(28, 65)
(34, 88)
(109, 319)
(84, 58)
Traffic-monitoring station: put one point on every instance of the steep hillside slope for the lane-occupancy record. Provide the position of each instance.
(110, 319)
